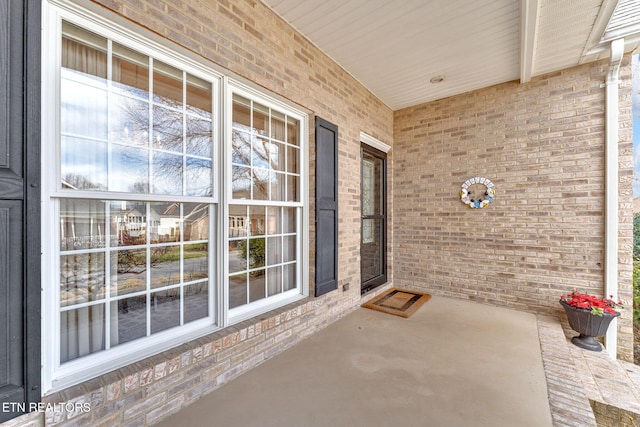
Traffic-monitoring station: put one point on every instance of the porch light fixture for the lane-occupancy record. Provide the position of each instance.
(437, 79)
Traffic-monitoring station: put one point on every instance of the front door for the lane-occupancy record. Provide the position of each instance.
(373, 252)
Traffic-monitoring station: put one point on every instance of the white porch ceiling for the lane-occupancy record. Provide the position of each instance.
(394, 48)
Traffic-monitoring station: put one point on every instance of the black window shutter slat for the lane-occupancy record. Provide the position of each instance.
(326, 207)
(19, 206)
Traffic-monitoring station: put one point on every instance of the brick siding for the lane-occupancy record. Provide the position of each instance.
(542, 145)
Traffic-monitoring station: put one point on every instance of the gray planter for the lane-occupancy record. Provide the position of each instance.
(588, 326)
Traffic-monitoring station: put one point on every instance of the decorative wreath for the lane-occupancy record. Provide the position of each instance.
(477, 192)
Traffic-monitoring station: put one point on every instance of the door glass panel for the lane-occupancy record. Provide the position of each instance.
(373, 230)
(371, 251)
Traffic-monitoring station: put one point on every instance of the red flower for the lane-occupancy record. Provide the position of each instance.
(596, 305)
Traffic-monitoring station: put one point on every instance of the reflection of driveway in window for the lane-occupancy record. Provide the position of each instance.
(236, 262)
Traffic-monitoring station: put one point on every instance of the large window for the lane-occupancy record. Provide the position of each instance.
(147, 242)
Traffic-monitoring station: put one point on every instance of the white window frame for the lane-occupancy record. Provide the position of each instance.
(247, 311)
(56, 376)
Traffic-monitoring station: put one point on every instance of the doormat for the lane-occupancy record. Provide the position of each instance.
(398, 302)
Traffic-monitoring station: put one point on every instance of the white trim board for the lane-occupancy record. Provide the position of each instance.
(374, 142)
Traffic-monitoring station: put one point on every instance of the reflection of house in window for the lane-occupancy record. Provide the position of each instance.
(169, 228)
(130, 225)
(237, 226)
(82, 224)
(196, 221)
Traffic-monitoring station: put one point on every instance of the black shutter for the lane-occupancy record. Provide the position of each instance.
(326, 207)
(19, 205)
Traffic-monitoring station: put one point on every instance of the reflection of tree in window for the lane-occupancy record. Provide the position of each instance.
(74, 181)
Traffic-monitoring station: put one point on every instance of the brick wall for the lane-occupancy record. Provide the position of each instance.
(542, 145)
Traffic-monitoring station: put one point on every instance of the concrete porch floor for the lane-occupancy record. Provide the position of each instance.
(453, 363)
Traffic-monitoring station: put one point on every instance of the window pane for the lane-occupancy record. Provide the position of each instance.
(129, 169)
(274, 279)
(84, 51)
(257, 286)
(237, 290)
(196, 301)
(129, 121)
(257, 220)
(165, 266)
(292, 131)
(82, 278)
(199, 96)
(260, 185)
(256, 252)
(130, 71)
(165, 309)
(293, 155)
(289, 249)
(237, 256)
(82, 224)
(83, 164)
(289, 220)
(241, 182)
(241, 148)
(274, 220)
(128, 320)
(199, 137)
(199, 177)
(167, 85)
(82, 332)
(260, 119)
(167, 129)
(274, 250)
(165, 222)
(241, 113)
(289, 279)
(196, 221)
(276, 156)
(167, 173)
(238, 220)
(260, 153)
(83, 109)
(278, 182)
(128, 271)
(196, 262)
(277, 125)
(128, 223)
(292, 188)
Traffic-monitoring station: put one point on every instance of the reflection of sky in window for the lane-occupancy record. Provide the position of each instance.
(199, 177)
(85, 160)
(167, 173)
(129, 169)
(84, 163)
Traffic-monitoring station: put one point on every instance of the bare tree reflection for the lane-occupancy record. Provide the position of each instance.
(79, 182)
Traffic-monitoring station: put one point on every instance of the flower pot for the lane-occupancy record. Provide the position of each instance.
(588, 325)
